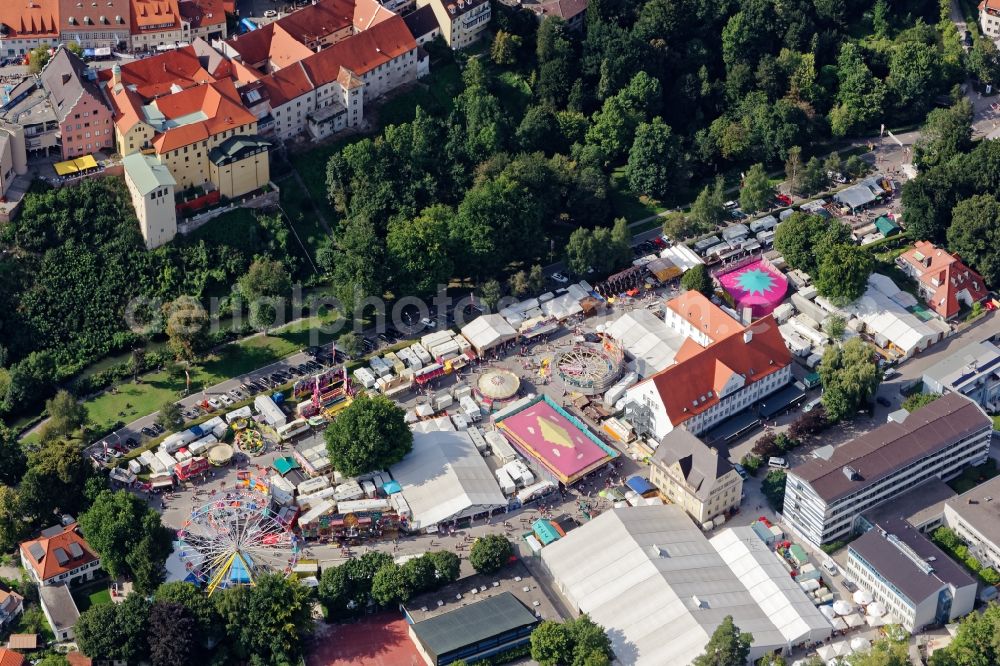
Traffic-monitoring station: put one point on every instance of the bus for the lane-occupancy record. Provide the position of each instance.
(292, 428)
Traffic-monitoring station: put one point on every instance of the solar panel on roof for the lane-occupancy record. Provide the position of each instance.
(75, 550)
(61, 557)
(37, 551)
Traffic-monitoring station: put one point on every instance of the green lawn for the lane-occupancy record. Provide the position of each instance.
(435, 94)
(973, 476)
(625, 203)
(133, 401)
(91, 595)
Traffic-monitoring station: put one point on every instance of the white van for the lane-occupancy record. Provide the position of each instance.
(777, 463)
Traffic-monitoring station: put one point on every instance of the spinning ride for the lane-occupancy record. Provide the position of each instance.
(589, 369)
(234, 540)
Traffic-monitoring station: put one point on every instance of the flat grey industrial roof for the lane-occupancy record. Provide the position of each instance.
(877, 454)
(900, 570)
(965, 362)
(473, 623)
(916, 506)
(980, 507)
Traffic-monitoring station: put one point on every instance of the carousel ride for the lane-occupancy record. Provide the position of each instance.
(589, 369)
(497, 386)
(250, 441)
(233, 540)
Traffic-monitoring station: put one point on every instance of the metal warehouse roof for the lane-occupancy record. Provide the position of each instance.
(473, 623)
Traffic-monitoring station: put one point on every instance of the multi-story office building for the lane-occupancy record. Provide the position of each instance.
(975, 517)
(916, 581)
(824, 497)
(972, 371)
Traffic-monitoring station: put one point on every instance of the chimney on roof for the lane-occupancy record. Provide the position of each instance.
(66, 78)
(747, 336)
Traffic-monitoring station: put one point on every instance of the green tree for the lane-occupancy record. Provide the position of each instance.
(55, 481)
(946, 133)
(551, 643)
(804, 240)
(880, 18)
(773, 489)
(490, 293)
(983, 60)
(419, 574)
(727, 646)
(833, 164)
(66, 415)
(38, 58)
(974, 234)
(173, 635)
(843, 273)
(850, 378)
(490, 553)
(390, 586)
(855, 167)
(540, 130)
(350, 343)
(199, 605)
(655, 161)
(708, 210)
(679, 226)
(757, 192)
(918, 400)
(116, 524)
(115, 631)
(518, 283)
(13, 460)
(536, 278)
(697, 278)
(369, 435)
(581, 250)
(420, 251)
(591, 643)
(267, 620)
(505, 48)
(356, 263)
(170, 416)
(186, 327)
(446, 565)
(883, 652)
(814, 178)
(795, 171)
(12, 526)
(860, 96)
(265, 278)
(835, 326)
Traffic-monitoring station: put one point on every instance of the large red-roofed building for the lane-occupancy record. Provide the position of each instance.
(60, 554)
(708, 384)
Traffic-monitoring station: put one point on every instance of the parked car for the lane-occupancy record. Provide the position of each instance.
(777, 463)
(741, 471)
(214, 402)
(560, 278)
(226, 400)
(158, 428)
(148, 432)
(430, 323)
(783, 199)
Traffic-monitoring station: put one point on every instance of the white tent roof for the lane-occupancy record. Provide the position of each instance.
(488, 331)
(658, 586)
(777, 594)
(647, 339)
(682, 256)
(566, 305)
(444, 477)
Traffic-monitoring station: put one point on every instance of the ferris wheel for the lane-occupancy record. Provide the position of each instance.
(233, 540)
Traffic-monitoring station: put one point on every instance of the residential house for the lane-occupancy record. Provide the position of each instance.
(573, 12)
(989, 18)
(709, 384)
(694, 476)
(825, 496)
(27, 25)
(11, 605)
(423, 25)
(96, 23)
(156, 23)
(151, 188)
(60, 554)
(942, 279)
(462, 22)
(81, 109)
(9, 657)
(203, 19)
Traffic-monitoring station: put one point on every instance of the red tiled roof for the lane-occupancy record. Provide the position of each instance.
(156, 76)
(368, 13)
(48, 565)
(362, 52)
(147, 14)
(218, 101)
(25, 19)
(77, 659)
(94, 16)
(203, 13)
(945, 276)
(704, 315)
(287, 84)
(693, 383)
(317, 21)
(990, 4)
(11, 658)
